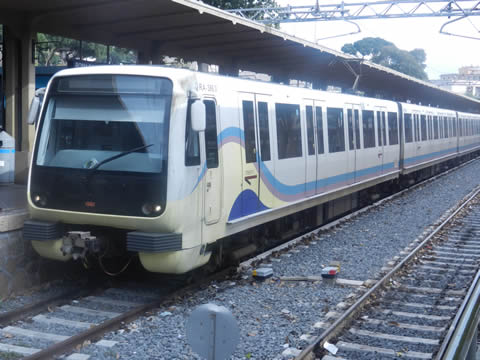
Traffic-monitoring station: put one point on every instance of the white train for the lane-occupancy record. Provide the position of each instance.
(177, 165)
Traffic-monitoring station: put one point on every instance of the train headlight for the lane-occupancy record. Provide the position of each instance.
(151, 209)
(39, 200)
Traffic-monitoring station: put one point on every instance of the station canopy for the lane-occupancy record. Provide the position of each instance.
(194, 31)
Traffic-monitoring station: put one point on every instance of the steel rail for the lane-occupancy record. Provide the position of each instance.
(343, 320)
(460, 334)
(97, 331)
(29, 310)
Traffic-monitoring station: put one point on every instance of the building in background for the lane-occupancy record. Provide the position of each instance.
(466, 82)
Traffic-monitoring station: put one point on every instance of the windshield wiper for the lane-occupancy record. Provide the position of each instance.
(114, 157)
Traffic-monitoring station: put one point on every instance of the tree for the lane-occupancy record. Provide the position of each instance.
(385, 53)
(57, 50)
(240, 4)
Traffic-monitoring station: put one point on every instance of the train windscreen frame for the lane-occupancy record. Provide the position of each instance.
(103, 138)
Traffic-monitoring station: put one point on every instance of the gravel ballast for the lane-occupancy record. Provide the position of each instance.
(274, 314)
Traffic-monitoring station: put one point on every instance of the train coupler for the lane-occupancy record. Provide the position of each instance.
(81, 243)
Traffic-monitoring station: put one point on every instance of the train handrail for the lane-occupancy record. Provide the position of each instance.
(459, 337)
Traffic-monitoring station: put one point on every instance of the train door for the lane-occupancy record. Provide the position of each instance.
(381, 135)
(290, 159)
(256, 156)
(213, 174)
(310, 148)
(353, 141)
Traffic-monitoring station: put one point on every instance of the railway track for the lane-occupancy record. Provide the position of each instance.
(413, 310)
(84, 317)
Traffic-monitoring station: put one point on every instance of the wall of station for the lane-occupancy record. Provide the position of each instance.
(20, 267)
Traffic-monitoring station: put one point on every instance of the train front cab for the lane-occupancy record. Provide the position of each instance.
(103, 163)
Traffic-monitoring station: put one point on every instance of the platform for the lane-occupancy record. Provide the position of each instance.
(13, 207)
(13, 197)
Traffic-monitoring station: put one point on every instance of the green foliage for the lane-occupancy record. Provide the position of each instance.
(385, 53)
(52, 50)
(240, 4)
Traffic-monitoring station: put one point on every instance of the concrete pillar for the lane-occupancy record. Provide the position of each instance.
(19, 91)
(144, 57)
(229, 68)
(157, 53)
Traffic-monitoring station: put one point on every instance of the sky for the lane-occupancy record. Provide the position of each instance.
(445, 54)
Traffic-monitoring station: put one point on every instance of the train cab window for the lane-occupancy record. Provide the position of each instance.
(264, 131)
(368, 129)
(336, 132)
(289, 133)
(423, 125)
(319, 120)
(382, 136)
(249, 131)
(192, 143)
(310, 131)
(435, 127)
(408, 128)
(211, 144)
(393, 128)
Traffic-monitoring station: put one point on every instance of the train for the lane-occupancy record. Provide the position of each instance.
(185, 169)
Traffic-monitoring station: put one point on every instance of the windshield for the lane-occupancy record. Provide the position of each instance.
(89, 119)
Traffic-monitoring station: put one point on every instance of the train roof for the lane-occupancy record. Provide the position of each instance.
(192, 30)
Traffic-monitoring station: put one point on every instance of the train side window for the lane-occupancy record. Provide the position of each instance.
(429, 127)
(440, 128)
(356, 116)
(310, 131)
(351, 140)
(336, 132)
(417, 127)
(192, 143)
(319, 119)
(368, 129)
(423, 125)
(289, 133)
(382, 129)
(392, 128)
(211, 143)
(454, 128)
(264, 131)
(379, 129)
(435, 127)
(249, 131)
(408, 128)
(353, 118)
